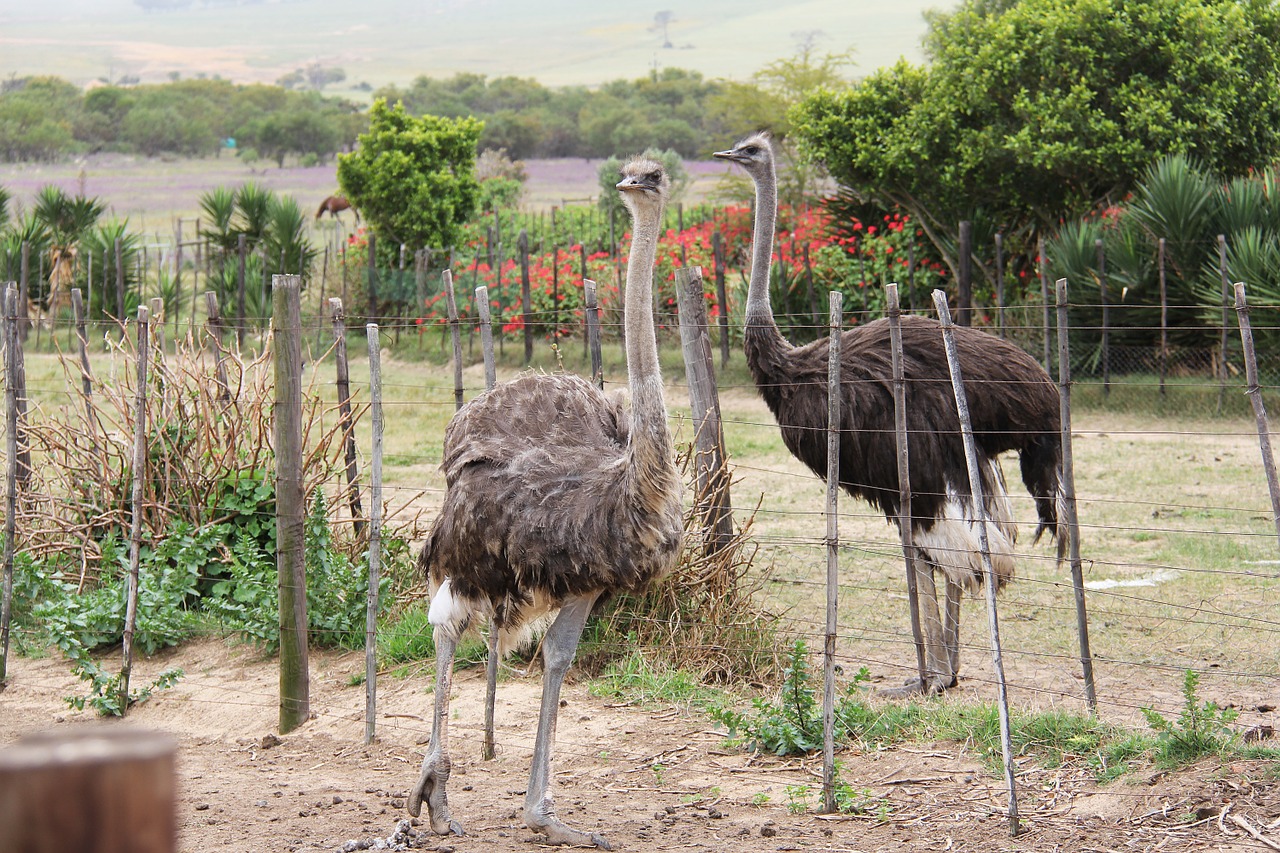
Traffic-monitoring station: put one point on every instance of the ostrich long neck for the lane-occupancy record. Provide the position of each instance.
(650, 440)
(761, 328)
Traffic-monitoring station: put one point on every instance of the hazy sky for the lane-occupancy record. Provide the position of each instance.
(556, 41)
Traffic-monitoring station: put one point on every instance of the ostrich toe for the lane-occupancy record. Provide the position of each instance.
(558, 833)
(431, 788)
(934, 686)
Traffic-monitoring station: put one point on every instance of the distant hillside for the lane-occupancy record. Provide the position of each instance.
(559, 42)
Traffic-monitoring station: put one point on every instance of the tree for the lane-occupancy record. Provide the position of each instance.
(1031, 111)
(413, 179)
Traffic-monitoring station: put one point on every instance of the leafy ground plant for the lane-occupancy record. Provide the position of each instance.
(1202, 728)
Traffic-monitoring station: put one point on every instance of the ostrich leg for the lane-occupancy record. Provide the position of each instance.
(951, 629)
(559, 646)
(939, 671)
(490, 693)
(435, 766)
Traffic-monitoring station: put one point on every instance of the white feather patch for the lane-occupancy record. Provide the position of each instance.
(952, 544)
(448, 612)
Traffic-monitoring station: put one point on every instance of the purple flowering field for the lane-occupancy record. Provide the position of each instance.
(152, 193)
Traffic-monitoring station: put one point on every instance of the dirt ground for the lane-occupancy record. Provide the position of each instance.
(649, 779)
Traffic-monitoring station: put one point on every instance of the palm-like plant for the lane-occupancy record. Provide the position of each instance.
(219, 206)
(287, 247)
(28, 230)
(103, 297)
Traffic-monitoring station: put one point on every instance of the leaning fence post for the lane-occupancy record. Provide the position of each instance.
(135, 506)
(593, 332)
(486, 336)
(286, 324)
(457, 338)
(979, 503)
(712, 496)
(1259, 409)
(1072, 519)
(344, 413)
(375, 537)
(834, 394)
(905, 520)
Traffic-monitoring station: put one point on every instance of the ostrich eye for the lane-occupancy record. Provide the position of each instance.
(751, 150)
(655, 176)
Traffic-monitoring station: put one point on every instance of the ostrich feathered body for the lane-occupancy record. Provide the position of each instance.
(1013, 406)
(546, 499)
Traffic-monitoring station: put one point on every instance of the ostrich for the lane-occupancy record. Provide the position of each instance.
(1013, 406)
(556, 497)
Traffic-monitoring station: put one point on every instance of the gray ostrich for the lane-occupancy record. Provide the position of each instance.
(556, 497)
(1013, 405)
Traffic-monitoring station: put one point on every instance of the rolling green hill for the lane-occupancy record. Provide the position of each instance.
(559, 42)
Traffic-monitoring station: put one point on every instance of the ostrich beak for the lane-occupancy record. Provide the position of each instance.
(731, 154)
(630, 184)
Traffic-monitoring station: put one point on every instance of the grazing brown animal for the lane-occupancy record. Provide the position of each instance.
(1012, 401)
(335, 204)
(556, 497)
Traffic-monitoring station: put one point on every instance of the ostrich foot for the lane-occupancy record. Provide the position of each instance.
(915, 687)
(430, 788)
(558, 833)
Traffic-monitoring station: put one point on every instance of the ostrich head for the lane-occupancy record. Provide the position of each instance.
(755, 154)
(644, 185)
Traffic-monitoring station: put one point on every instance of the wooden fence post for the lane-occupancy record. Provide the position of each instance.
(1047, 322)
(375, 538)
(1259, 408)
(905, 532)
(964, 277)
(979, 503)
(286, 324)
(214, 326)
(372, 283)
(454, 333)
(593, 332)
(1106, 317)
(344, 414)
(92, 790)
(526, 300)
(1069, 509)
(1224, 367)
(1164, 320)
(135, 507)
(86, 374)
(486, 336)
(713, 481)
(834, 395)
(11, 342)
(240, 290)
(1000, 285)
(722, 300)
(24, 291)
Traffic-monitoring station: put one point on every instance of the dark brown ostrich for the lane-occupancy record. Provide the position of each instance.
(1012, 402)
(335, 204)
(556, 497)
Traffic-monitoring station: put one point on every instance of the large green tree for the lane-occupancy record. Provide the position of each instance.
(413, 178)
(1032, 111)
